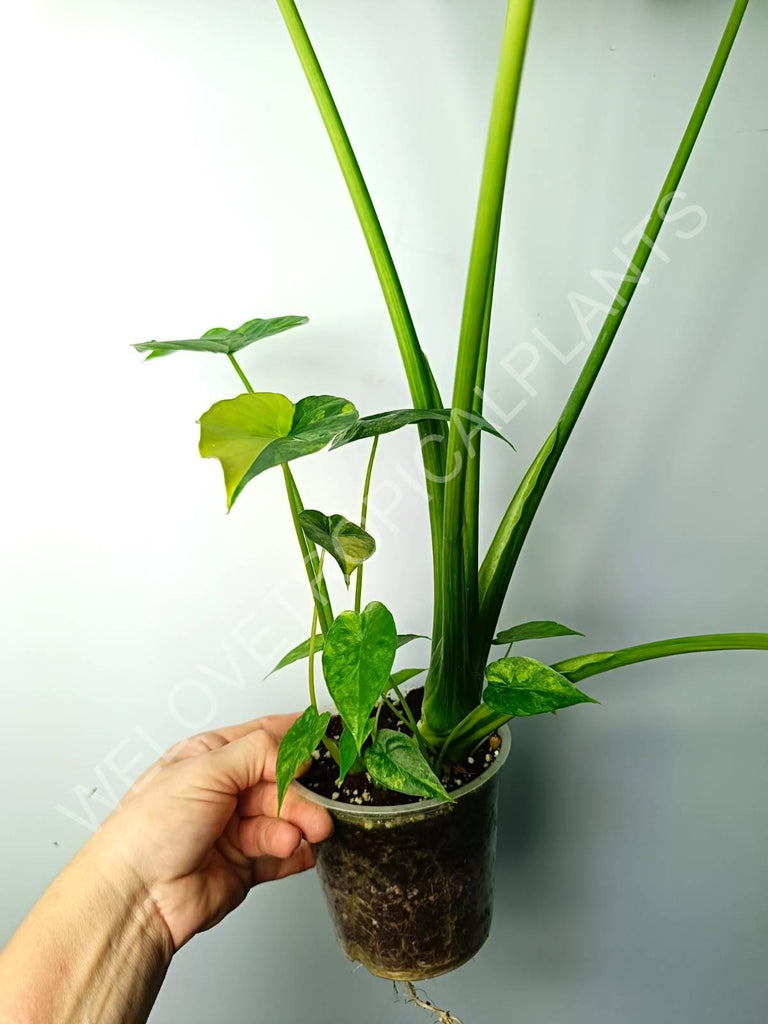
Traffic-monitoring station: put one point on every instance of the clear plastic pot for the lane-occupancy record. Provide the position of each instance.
(410, 887)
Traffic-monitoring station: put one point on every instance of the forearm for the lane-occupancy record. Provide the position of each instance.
(92, 951)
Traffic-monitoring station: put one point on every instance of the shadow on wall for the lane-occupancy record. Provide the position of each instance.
(530, 872)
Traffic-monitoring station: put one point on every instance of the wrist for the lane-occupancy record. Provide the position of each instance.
(127, 894)
(93, 948)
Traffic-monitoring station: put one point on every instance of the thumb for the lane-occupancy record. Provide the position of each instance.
(238, 765)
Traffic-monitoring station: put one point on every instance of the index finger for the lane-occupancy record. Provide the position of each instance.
(275, 725)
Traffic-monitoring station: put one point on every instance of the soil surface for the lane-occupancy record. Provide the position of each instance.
(323, 773)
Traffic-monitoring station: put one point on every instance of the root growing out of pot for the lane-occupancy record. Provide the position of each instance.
(443, 1016)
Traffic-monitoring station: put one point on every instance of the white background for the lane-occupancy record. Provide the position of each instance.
(165, 171)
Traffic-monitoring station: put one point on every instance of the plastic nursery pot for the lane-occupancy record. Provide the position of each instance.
(410, 887)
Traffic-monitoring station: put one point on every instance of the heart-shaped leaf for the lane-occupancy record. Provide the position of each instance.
(223, 340)
(302, 650)
(524, 686)
(254, 432)
(296, 746)
(344, 540)
(395, 761)
(537, 630)
(386, 422)
(348, 755)
(358, 654)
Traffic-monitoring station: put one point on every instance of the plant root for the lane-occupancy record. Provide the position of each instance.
(443, 1016)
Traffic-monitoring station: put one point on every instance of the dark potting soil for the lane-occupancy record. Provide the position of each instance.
(323, 773)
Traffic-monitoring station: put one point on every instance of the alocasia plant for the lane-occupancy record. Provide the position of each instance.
(465, 697)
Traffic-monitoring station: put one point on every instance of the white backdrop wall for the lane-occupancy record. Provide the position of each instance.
(165, 171)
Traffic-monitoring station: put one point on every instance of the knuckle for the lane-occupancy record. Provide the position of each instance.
(202, 743)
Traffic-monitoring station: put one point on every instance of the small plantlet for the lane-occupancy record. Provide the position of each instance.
(468, 695)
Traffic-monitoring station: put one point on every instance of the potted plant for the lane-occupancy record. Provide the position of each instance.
(411, 778)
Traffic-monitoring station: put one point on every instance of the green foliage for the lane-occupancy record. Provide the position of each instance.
(505, 548)
(606, 661)
(254, 432)
(523, 686)
(387, 422)
(395, 761)
(349, 758)
(421, 381)
(258, 431)
(357, 659)
(404, 674)
(538, 629)
(222, 340)
(297, 746)
(345, 541)
(301, 650)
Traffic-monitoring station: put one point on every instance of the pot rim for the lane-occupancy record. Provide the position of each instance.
(422, 806)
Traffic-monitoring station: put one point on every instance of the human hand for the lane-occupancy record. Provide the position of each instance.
(200, 828)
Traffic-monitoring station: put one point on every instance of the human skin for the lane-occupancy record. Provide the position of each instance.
(184, 848)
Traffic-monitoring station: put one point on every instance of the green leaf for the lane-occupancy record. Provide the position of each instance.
(395, 761)
(221, 339)
(302, 650)
(535, 630)
(296, 746)
(358, 654)
(237, 430)
(504, 550)
(254, 432)
(421, 381)
(406, 638)
(459, 691)
(524, 686)
(348, 755)
(386, 422)
(398, 678)
(348, 543)
(606, 661)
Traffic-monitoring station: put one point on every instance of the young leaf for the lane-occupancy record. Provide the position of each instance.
(398, 678)
(254, 432)
(221, 339)
(524, 686)
(348, 751)
(302, 650)
(395, 761)
(296, 746)
(386, 422)
(536, 630)
(357, 659)
(349, 545)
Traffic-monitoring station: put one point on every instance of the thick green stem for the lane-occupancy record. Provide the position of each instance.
(452, 687)
(471, 541)
(421, 382)
(498, 566)
(364, 519)
(469, 733)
